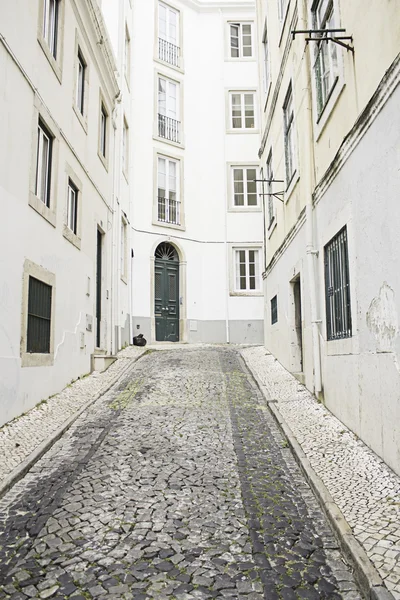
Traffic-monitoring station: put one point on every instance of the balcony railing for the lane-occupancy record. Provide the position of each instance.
(168, 52)
(168, 128)
(169, 211)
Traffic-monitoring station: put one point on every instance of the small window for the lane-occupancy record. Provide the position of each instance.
(72, 207)
(270, 198)
(168, 35)
(288, 131)
(125, 148)
(127, 55)
(247, 270)
(274, 310)
(241, 40)
(169, 206)
(244, 186)
(124, 247)
(267, 75)
(242, 110)
(103, 130)
(337, 287)
(325, 53)
(80, 83)
(168, 109)
(39, 317)
(50, 24)
(43, 164)
(282, 8)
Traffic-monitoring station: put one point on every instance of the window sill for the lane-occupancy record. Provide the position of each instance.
(81, 118)
(247, 293)
(242, 209)
(169, 225)
(42, 209)
(283, 23)
(169, 65)
(124, 279)
(169, 142)
(240, 59)
(55, 65)
(248, 131)
(272, 227)
(291, 186)
(29, 359)
(340, 347)
(103, 160)
(125, 174)
(267, 92)
(72, 237)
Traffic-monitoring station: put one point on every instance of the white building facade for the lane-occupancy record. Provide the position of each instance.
(64, 262)
(329, 149)
(197, 220)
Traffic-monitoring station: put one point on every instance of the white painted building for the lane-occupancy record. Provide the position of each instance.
(195, 128)
(64, 267)
(329, 152)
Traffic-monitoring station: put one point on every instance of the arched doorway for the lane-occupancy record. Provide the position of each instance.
(166, 293)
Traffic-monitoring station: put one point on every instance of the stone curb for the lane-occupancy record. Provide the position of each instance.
(366, 575)
(21, 470)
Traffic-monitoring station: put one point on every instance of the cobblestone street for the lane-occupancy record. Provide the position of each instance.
(176, 483)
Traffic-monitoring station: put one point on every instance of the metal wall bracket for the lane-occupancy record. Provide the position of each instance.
(326, 35)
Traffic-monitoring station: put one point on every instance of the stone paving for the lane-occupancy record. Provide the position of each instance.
(365, 489)
(22, 435)
(176, 484)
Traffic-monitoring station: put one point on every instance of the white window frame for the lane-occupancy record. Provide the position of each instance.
(266, 61)
(44, 164)
(50, 32)
(168, 117)
(241, 46)
(169, 48)
(244, 168)
(236, 289)
(51, 9)
(167, 207)
(269, 175)
(103, 136)
(72, 206)
(282, 9)
(289, 133)
(80, 82)
(73, 184)
(125, 148)
(325, 59)
(124, 249)
(242, 117)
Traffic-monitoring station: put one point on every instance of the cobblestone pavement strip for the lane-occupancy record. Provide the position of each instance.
(176, 484)
(23, 435)
(365, 489)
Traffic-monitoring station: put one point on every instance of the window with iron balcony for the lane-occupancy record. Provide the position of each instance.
(168, 35)
(168, 193)
(168, 110)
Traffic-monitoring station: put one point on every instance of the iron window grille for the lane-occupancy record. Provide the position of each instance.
(326, 60)
(39, 317)
(168, 33)
(168, 52)
(43, 164)
(274, 310)
(337, 288)
(288, 122)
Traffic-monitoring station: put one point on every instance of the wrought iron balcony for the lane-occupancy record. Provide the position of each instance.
(168, 128)
(168, 52)
(169, 211)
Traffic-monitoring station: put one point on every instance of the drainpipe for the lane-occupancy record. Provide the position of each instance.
(311, 253)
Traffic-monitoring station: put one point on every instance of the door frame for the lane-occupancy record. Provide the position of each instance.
(182, 290)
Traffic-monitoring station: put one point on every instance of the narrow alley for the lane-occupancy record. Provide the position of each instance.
(177, 483)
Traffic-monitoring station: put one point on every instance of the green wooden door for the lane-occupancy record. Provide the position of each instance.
(167, 300)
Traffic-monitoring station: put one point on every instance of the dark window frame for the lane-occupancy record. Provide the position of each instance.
(274, 310)
(38, 335)
(337, 287)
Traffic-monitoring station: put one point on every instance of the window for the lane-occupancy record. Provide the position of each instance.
(43, 164)
(168, 191)
(274, 310)
(326, 61)
(125, 148)
(168, 35)
(247, 270)
(270, 177)
(80, 83)
(288, 130)
(124, 246)
(168, 110)
(72, 207)
(103, 130)
(50, 24)
(39, 317)
(266, 60)
(337, 287)
(127, 55)
(242, 110)
(241, 40)
(244, 186)
(282, 7)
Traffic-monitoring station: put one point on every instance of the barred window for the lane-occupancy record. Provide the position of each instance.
(39, 317)
(337, 288)
(274, 310)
